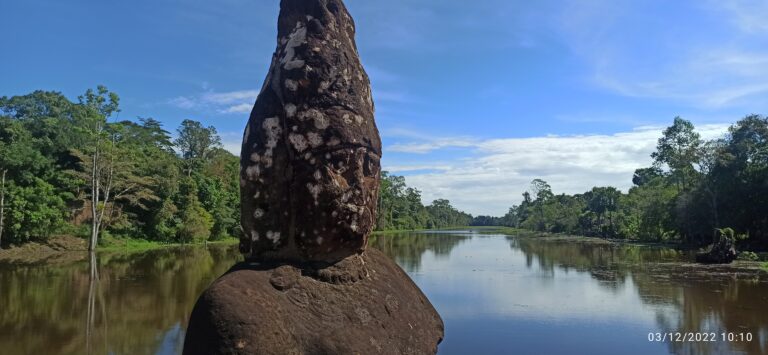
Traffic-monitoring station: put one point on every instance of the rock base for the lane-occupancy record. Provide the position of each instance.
(364, 304)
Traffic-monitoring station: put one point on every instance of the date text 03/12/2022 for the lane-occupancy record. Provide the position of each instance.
(699, 337)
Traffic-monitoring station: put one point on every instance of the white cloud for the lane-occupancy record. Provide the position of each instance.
(713, 67)
(232, 102)
(749, 15)
(501, 169)
(493, 178)
(241, 108)
(404, 168)
(426, 147)
(183, 102)
(226, 98)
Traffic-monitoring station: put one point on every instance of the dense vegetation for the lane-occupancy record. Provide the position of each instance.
(75, 168)
(400, 208)
(693, 189)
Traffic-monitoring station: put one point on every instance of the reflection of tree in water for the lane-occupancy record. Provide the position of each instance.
(124, 303)
(687, 297)
(408, 248)
(708, 303)
(606, 262)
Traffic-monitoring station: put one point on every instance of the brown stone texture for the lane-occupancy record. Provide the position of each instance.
(364, 304)
(310, 156)
(309, 188)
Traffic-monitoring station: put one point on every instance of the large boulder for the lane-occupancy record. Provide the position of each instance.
(311, 150)
(364, 304)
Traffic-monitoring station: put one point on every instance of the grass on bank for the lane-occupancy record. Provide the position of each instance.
(109, 243)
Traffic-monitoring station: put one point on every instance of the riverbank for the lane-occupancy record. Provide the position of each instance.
(761, 263)
(67, 248)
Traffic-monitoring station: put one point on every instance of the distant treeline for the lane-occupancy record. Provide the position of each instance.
(400, 208)
(693, 189)
(64, 162)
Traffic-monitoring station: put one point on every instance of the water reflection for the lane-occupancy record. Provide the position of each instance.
(582, 296)
(408, 248)
(496, 293)
(94, 289)
(106, 303)
(688, 297)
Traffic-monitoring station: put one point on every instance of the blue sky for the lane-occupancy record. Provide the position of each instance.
(474, 99)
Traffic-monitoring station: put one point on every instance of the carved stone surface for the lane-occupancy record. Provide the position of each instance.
(362, 305)
(309, 188)
(310, 155)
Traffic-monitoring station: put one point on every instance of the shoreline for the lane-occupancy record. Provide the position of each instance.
(67, 248)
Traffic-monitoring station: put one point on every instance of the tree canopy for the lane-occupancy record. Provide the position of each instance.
(693, 189)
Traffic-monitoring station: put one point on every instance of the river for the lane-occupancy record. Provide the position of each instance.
(498, 294)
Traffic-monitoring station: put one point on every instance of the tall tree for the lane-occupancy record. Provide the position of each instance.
(678, 149)
(196, 144)
(711, 156)
(98, 106)
(603, 201)
(541, 192)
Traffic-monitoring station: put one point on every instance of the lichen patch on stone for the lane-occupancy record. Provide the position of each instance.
(273, 236)
(253, 172)
(290, 110)
(297, 38)
(291, 85)
(314, 139)
(298, 142)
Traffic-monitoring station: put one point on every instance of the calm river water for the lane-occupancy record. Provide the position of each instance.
(497, 294)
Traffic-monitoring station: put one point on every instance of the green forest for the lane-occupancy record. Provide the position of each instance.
(693, 189)
(75, 168)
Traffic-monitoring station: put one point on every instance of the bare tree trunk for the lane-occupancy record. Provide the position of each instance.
(94, 201)
(2, 206)
(109, 183)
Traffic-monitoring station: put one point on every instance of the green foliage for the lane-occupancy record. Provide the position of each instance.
(400, 208)
(47, 149)
(693, 189)
(678, 149)
(32, 211)
(443, 215)
(196, 223)
(748, 256)
(196, 143)
(164, 223)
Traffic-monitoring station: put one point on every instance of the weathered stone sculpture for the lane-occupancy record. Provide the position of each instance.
(723, 251)
(309, 186)
(311, 150)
